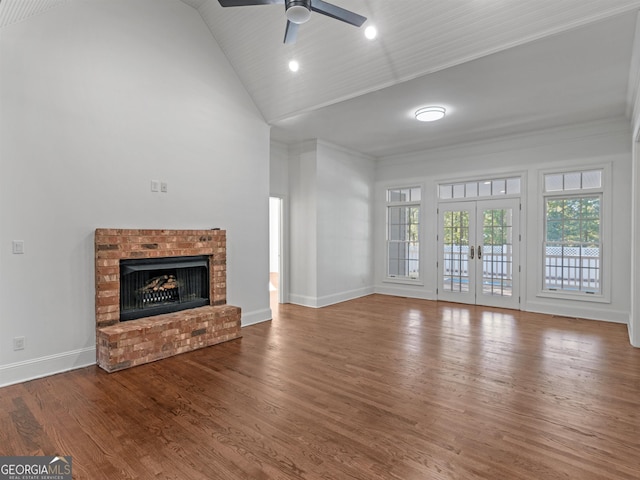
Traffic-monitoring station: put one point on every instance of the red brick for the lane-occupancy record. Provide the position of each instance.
(164, 335)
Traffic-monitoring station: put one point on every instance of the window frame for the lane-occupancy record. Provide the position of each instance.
(391, 204)
(604, 194)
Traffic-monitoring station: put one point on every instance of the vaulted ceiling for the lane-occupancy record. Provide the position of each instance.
(500, 67)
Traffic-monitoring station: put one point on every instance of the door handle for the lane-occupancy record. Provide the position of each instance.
(471, 252)
(479, 252)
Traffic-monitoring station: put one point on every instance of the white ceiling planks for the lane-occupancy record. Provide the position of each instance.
(417, 37)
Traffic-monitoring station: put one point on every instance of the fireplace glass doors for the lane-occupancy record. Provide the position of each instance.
(153, 286)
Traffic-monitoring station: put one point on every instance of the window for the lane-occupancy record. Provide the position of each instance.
(403, 236)
(572, 248)
(482, 188)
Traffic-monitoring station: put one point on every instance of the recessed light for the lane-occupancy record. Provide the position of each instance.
(430, 114)
(371, 32)
(294, 66)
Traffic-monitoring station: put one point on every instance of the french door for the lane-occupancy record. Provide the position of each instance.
(478, 245)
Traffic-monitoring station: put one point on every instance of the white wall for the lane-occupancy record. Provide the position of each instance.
(345, 220)
(331, 219)
(303, 252)
(634, 315)
(575, 147)
(99, 98)
(634, 110)
(279, 170)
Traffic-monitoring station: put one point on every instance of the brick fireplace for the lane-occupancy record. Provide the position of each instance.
(124, 344)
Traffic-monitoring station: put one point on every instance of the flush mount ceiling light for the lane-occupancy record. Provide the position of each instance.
(294, 66)
(430, 114)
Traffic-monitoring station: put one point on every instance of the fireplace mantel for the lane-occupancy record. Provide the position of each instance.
(126, 344)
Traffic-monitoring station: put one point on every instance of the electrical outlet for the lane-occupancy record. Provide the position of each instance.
(163, 187)
(18, 343)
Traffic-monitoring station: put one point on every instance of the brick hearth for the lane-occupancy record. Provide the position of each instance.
(126, 344)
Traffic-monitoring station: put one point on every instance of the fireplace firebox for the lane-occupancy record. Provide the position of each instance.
(154, 286)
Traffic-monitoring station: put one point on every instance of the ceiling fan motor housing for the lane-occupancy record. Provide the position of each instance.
(298, 11)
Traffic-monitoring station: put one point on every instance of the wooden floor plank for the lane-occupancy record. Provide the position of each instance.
(375, 388)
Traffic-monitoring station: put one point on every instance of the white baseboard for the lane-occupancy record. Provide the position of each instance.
(325, 301)
(44, 366)
(303, 300)
(405, 291)
(258, 316)
(634, 334)
(589, 311)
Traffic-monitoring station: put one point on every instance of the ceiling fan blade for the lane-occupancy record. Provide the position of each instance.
(338, 13)
(291, 33)
(242, 3)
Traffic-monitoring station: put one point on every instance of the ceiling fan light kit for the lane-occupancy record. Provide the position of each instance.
(299, 12)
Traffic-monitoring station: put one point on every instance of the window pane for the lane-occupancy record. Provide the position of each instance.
(592, 179)
(458, 190)
(555, 209)
(484, 189)
(472, 189)
(415, 194)
(554, 231)
(446, 192)
(591, 231)
(573, 181)
(513, 186)
(499, 187)
(571, 231)
(591, 207)
(553, 182)
(573, 208)
(395, 214)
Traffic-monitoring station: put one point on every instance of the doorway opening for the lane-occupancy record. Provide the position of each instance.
(275, 253)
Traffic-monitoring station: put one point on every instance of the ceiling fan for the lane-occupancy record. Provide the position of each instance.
(299, 11)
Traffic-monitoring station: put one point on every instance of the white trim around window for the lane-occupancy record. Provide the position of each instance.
(571, 184)
(404, 234)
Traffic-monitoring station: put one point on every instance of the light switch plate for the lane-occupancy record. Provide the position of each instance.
(17, 247)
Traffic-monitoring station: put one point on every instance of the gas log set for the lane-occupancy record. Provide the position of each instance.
(155, 286)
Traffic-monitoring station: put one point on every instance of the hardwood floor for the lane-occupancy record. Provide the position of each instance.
(375, 388)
